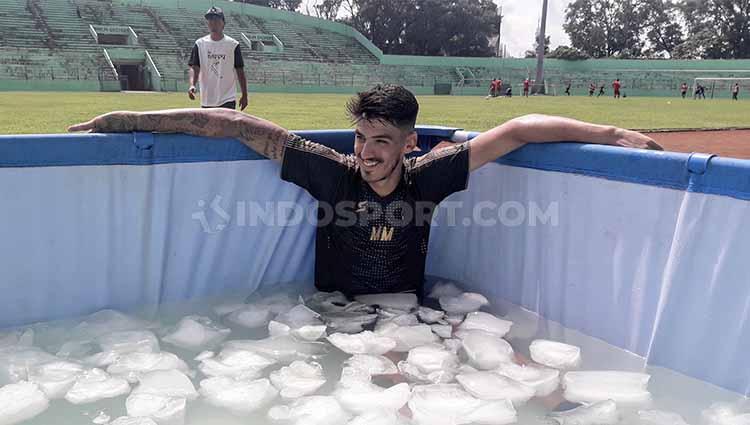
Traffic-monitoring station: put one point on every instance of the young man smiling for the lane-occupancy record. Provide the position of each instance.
(378, 203)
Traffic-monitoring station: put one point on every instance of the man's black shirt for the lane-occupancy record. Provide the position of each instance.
(366, 243)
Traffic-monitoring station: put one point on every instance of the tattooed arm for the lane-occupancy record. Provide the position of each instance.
(262, 136)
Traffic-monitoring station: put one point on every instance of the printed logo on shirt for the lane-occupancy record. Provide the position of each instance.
(382, 233)
(216, 60)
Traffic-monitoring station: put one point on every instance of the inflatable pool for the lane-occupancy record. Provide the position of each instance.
(639, 251)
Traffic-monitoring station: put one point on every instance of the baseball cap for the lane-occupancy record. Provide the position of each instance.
(215, 12)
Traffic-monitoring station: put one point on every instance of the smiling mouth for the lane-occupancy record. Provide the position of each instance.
(370, 163)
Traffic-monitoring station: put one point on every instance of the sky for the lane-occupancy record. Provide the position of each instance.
(521, 21)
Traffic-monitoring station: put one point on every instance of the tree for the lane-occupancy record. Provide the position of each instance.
(532, 53)
(717, 29)
(420, 27)
(327, 9)
(606, 28)
(567, 53)
(664, 32)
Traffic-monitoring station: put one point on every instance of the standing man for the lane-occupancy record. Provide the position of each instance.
(216, 62)
(616, 87)
(592, 88)
(526, 84)
(735, 91)
(684, 89)
(567, 89)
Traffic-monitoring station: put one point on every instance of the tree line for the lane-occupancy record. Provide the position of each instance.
(682, 29)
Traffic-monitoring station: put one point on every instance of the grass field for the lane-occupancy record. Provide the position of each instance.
(38, 112)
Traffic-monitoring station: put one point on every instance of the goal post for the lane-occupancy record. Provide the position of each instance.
(718, 86)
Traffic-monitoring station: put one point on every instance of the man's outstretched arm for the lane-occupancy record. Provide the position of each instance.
(515, 133)
(264, 137)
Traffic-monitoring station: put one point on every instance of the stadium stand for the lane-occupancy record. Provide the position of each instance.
(56, 41)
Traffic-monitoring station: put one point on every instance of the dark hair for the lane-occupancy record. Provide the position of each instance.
(388, 103)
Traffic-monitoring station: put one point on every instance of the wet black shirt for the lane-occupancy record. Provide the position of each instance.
(366, 243)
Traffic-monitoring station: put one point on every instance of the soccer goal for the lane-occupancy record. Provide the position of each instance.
(720, 87)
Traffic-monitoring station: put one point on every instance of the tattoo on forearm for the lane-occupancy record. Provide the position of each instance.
(262, 136)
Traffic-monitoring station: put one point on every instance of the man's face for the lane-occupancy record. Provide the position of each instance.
(215, 24)
(380, 147)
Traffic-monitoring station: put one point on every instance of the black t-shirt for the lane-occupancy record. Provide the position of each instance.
(366, 243)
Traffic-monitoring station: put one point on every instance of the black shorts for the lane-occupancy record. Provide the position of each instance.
(228, 105)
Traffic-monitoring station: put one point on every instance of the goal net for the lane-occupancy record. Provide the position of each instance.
(720, 87)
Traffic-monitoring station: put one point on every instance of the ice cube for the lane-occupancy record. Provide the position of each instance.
(600, 413)
(238, 396)
(372, 364)
(131, 366)
(196, 333)
(55, 378)
(723, 413)
(594, 386)
(431, 363)
(430, 316)
(379, 417)
(16, 360)
(252, 316)
(298, 379)
(406, 337)
(467, 302)
(486, 322)
(544, 380)
(164, 410)
(491, 386)
(284, 349)
(485, 351)
(94, 385)
(365, 342)
(124, 342)
(168, 383)
(555, 354)
(359, 396)
(449, 404)
(106, 321)
(20, 402)
(443, 331)
(312, 410)
(236, 363)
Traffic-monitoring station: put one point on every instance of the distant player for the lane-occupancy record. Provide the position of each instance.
(700, 92)
(495, 87)
(601, 91)
(616, 88)
(216, 61)
(509, 91)
(683, 90)
(526, 84)
(736, 91)
(567, 89)
(592, 89)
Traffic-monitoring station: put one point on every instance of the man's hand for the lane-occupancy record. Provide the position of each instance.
(633, 139)
(243, 102)
(191, 92)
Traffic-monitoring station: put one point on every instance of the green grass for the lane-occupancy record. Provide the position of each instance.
(36, 112)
